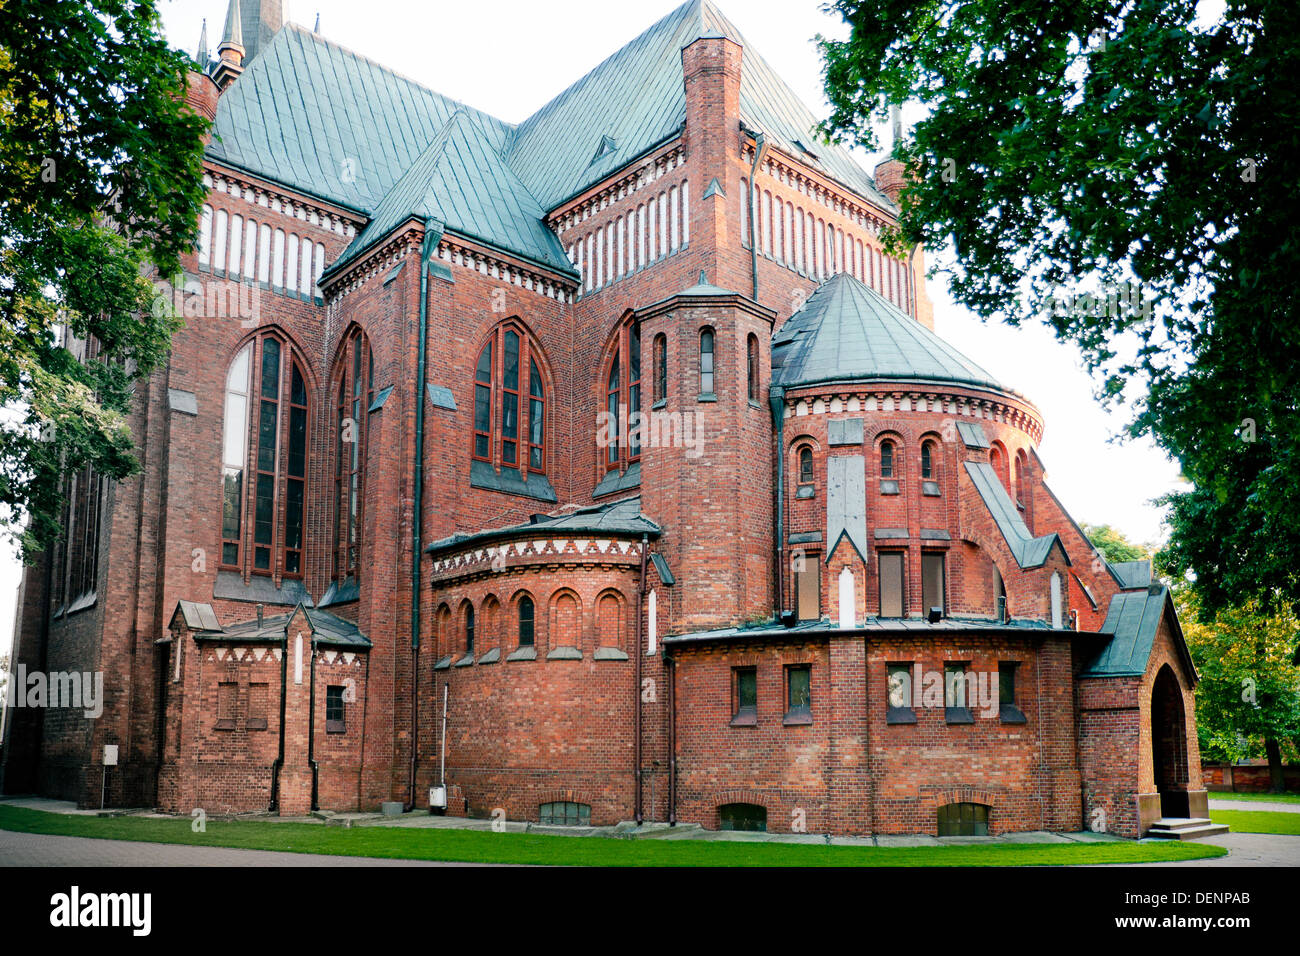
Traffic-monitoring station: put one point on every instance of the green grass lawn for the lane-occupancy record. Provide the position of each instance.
(1259, 821)
(475, 846)
(1261, 797)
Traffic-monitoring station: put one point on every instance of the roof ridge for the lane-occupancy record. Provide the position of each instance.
(343, 48)
(601, 65)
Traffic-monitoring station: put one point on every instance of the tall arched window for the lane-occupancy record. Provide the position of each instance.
(661, 367)
(623, 397)
(752, 365)
(264, 459)
(706, 361)
(354, 391)
(927, 459)
(805, 465)
(510, 401)
(1021, 495)
(886, 459)
(469, 628)
(527, 612)
(998, 460)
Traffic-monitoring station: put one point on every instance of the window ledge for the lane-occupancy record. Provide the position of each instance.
(805, 491)
(900, 715)
(745, 720)
(609, 654)
(931, 489)
(958, 715)
(888, 486)
(344, 593)
(1011, 714)
(614, 481)
(224, 725)
(465, 661)
(335, 727)
(443, 664)
(260, 589)
(565, 654)
(523, 654)
(662, 403)
(754, 404)
(706, 397)
(491, 657)
(509, 481)
(255, 723)
(797, 719)
(85, 602)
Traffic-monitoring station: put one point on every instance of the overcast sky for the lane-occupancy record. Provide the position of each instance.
(510, 58)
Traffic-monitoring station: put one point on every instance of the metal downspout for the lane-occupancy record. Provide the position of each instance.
(432, 233)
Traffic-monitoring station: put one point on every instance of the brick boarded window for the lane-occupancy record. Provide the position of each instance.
(892, 602)
(258, 706)
(227, 705)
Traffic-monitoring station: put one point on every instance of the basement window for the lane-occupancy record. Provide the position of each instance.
(564, 813)
(748, 817)
(964, 819)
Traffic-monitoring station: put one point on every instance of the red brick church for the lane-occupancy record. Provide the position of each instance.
(601, 467)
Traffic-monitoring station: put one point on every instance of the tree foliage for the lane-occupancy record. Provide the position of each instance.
(1128, 175)
(100, 183)
(1248, 699)
(1112, 544)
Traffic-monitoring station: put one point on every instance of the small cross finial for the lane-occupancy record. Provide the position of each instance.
(704, 280)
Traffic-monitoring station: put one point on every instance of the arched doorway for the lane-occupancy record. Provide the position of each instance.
(1169, 744)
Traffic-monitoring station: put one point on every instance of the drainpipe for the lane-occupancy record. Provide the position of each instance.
(432, 233)
(760, 150)
(636, 690)
(279, 758)
(776, 402)
(671, 664)
(311, 731)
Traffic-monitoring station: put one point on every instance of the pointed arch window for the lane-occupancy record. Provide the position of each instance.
(621, 435)
(354, 391)
(752, 357)
(661, 367)
(265, 460)
(706, 361)
(510, 401)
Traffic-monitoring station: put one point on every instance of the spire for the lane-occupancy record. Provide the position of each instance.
(316, 28)
(232, 38)
(202, 56)
(231, 51)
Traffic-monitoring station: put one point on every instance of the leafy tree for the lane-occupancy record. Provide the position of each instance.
(1070, 148)
(100, 182)
(1249, 695)
(1112, 544)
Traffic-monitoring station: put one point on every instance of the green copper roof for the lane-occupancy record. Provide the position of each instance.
(1029, 552)
(636, 99)
(462, 181)
(331, 123)
(1133, 619)
(849, 332)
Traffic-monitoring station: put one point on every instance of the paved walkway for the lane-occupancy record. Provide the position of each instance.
(1255, 805)
(1245, 849)
(35, 849)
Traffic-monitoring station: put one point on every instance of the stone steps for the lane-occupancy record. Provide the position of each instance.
(1185, 828)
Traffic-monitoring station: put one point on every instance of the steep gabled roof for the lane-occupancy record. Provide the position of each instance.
(847, 331)
(636, 99)
(1029, 552)
(1133, 619)
(464, 183)
(330, 123)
